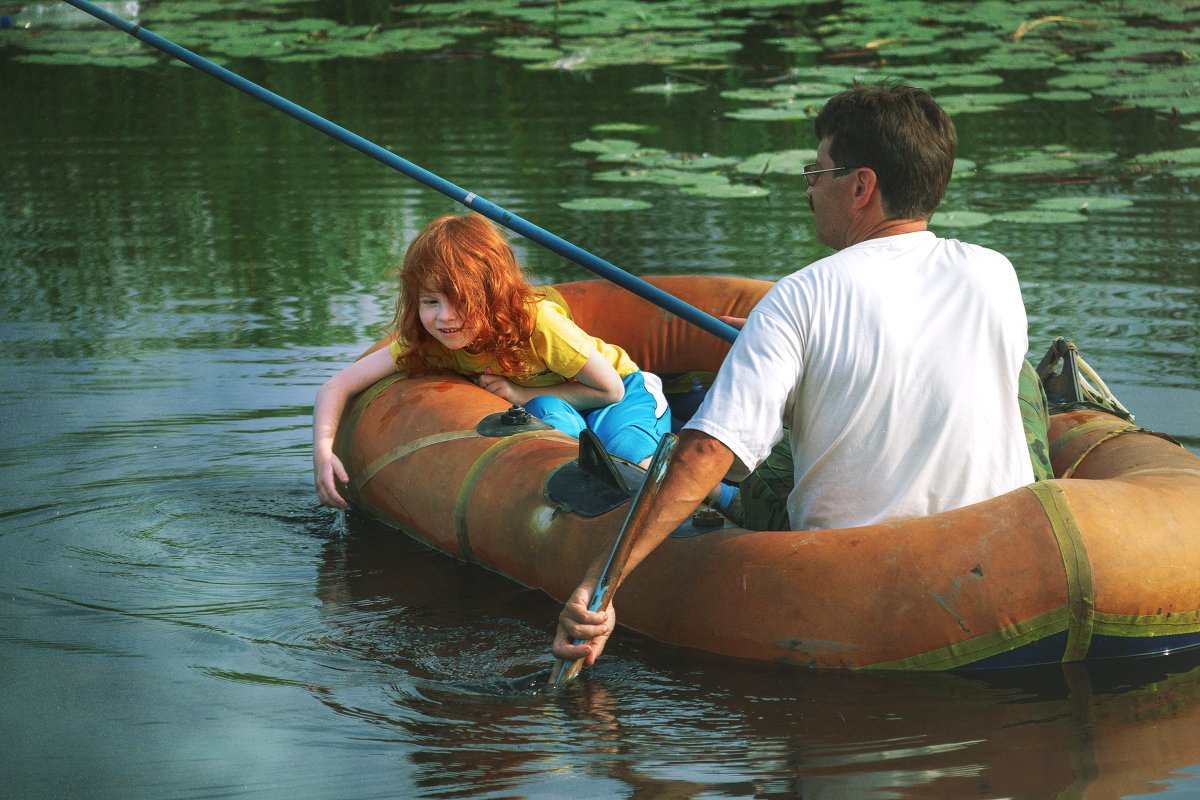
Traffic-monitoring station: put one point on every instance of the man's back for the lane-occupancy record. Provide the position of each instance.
(895, 364)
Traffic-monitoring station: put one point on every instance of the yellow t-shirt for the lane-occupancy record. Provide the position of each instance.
(554, 353)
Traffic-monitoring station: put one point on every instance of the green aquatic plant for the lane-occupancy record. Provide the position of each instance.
(978, 58)
(951, 218)
(605, 204)
(1082, 205)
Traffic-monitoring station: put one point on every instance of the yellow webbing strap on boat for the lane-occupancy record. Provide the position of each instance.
(364, 399)
(1144, 625)
(985, 646)
(467, 488)
(1081, 596)
(400, 451)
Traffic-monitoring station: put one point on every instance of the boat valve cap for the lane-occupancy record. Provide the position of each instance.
(517, 415)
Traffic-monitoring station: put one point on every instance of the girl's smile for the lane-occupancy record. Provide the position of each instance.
(442, 320)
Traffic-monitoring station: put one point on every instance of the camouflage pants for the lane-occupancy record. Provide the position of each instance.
(765, 491)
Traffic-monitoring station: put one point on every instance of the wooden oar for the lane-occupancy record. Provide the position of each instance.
(611, 577)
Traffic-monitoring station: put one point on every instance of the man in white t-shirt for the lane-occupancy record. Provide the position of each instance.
(892, 364)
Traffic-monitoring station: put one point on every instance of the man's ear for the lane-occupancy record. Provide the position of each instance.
(866, 187)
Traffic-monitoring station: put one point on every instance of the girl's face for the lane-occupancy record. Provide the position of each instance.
(441, 318)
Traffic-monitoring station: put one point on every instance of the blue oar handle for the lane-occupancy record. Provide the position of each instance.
(472, 201)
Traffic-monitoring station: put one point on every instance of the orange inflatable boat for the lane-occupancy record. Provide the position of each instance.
(1101, 562)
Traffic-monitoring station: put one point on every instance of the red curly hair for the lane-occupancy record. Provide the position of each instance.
(466, 259)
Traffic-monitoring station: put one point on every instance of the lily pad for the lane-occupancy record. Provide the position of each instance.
(960, 219)
(1082, 205)
(797, 44)
(1189, 155)
(966, 80)
(780, 113)
(1078, 81)
(624, 127)
(963, 168)
(783, 162)
(760, 95)
(659, 175)
(725, 190)
(527, 52)
(669, 88)
(604, 145)
(605, 204)
(703, 162)
(977, 103)
(1037, 216)
(1032, 165)
(1063, 96)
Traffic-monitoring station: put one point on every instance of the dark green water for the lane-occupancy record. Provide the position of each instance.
(181, 267)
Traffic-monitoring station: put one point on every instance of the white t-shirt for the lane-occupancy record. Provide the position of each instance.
(894, 363)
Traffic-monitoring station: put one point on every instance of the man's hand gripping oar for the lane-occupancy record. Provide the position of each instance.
(610, 578)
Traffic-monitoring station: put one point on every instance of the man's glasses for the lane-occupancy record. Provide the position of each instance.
(811, 169)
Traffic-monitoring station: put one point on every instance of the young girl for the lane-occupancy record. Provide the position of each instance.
(466, 306)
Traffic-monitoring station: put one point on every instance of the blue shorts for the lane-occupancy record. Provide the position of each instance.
(630, 429)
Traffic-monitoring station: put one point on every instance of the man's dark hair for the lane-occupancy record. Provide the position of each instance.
(902, 134)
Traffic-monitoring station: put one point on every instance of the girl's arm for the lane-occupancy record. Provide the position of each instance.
(594, 386)
(327, 412)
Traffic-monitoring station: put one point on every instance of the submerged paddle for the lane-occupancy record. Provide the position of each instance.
(629, 532)
(472, 201)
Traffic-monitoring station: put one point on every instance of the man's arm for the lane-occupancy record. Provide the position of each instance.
(700, 462)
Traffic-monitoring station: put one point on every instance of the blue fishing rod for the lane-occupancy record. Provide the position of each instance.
(471, 200)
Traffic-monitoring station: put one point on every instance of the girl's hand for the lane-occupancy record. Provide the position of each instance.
(503, 388)
(327, 412)
(327, 470)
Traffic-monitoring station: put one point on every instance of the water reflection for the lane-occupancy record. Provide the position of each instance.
(664, 723)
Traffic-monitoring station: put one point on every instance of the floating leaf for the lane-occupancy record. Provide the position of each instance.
(963, 168)
(624, 127)
(959, 219)
(911, 50)
(669, 88)
(796, 44)
(1189, 155)
(1032, 164)
(1082, 204)
(605, 204)
(970, 80)
(784, 162)
(604, 145)
(1079, 156)
(1063, 96)
(666, 177)
(526, 52)
(759, 95)
(1035, 216)
(703, 162)
(781, 113)
(974, 103)
(1078, 81)
(725, 191)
